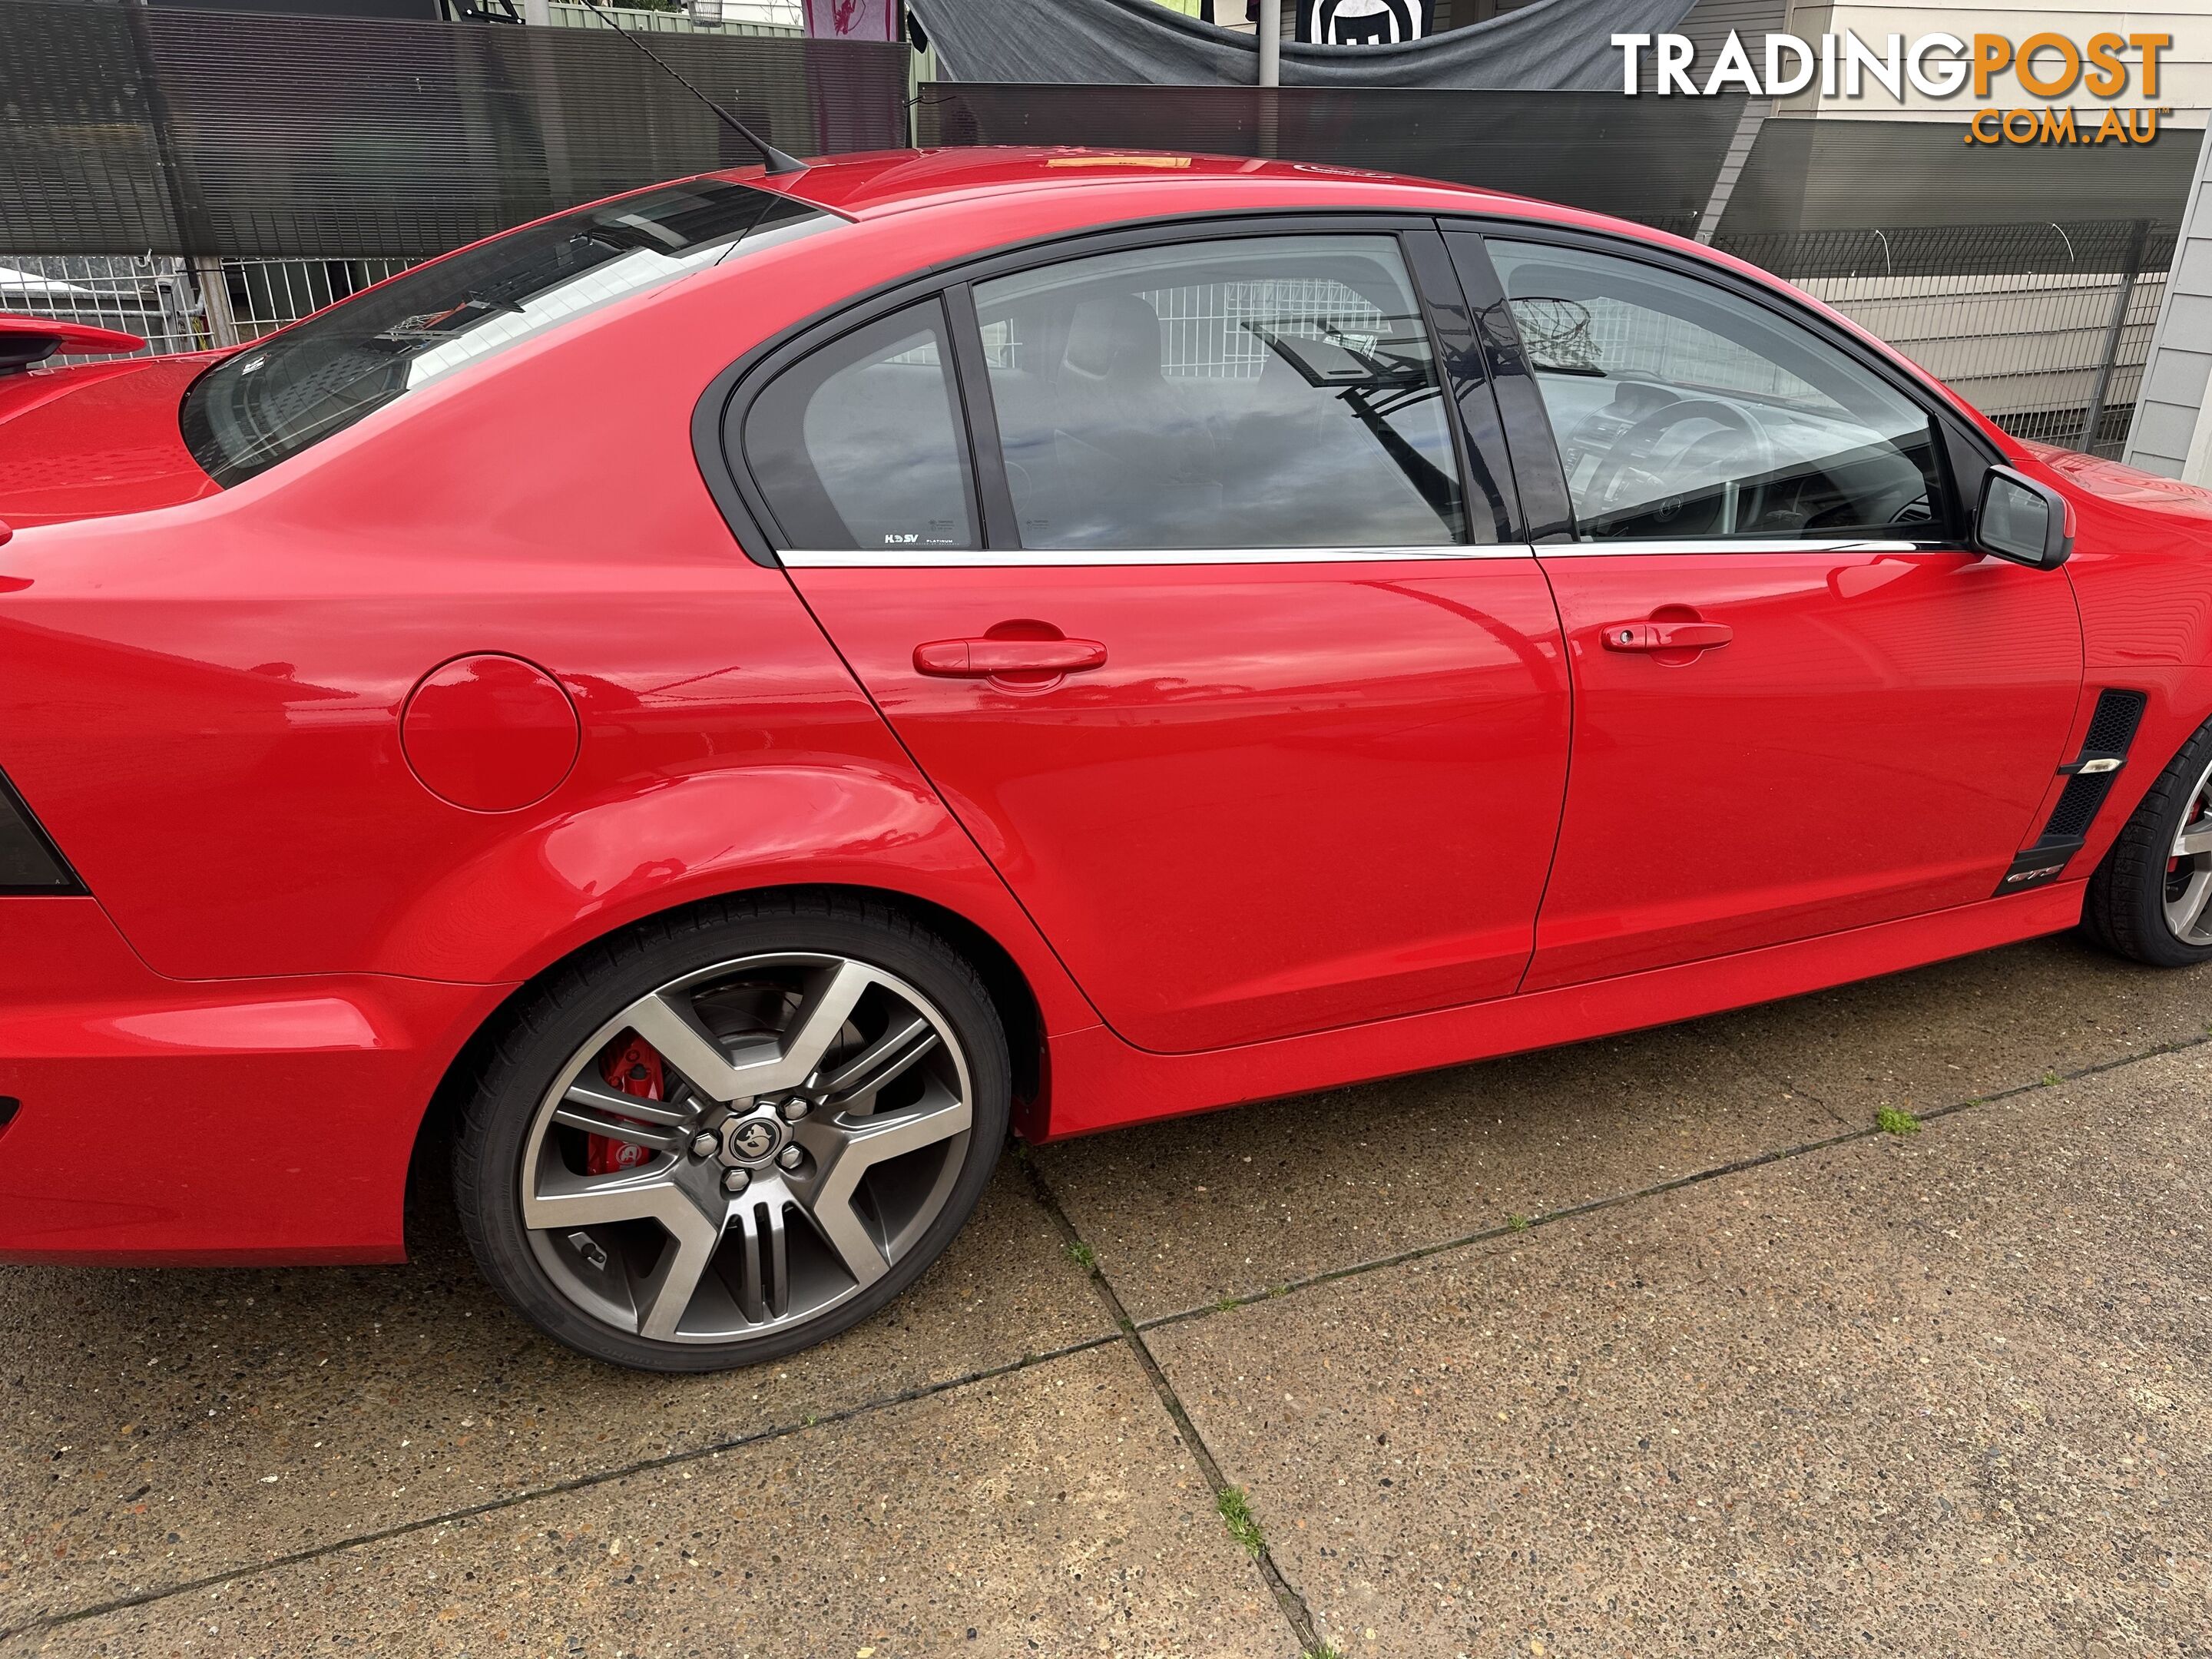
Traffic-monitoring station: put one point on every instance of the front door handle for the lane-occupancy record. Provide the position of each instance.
(1665, 636)
(986, 659)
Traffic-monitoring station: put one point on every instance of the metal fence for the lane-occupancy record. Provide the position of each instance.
(2044, 328)
(177, 305)
(754, 17)
(2047, 353)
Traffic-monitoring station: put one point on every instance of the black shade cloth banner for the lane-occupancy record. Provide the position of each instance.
(1551, 45)
(126, 129)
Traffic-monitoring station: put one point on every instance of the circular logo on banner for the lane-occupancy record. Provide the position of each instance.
(1363, 22)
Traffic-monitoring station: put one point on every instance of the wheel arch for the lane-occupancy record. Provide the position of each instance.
(1013, 996)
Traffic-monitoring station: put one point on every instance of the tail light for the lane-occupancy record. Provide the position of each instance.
(29, 862)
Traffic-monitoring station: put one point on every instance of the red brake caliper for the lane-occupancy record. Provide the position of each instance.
(634, 1069)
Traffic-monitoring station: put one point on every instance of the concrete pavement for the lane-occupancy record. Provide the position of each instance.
(1649, 1347)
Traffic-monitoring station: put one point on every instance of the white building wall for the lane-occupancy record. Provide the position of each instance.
(2171, 434)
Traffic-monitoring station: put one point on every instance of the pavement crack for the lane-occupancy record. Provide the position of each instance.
(555, 1489)
(1613, 1200)
(1788, 1085)
(1291, 1604)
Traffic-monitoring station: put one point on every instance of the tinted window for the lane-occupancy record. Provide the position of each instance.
(860, 444)
(275, 398)
(1264, 392)
(1683, 411)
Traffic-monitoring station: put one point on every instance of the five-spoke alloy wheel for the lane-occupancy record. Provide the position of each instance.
(2188, 893)
(737, 1134)
(2151, 897)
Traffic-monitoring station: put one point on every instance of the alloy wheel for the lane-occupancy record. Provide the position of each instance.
(2189, 868)
(746, 1148)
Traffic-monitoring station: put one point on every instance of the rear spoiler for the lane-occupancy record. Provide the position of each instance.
(27, 340)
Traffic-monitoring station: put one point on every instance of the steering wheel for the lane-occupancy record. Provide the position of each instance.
(1635, 458)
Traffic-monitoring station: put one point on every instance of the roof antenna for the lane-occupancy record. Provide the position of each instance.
(777, 160)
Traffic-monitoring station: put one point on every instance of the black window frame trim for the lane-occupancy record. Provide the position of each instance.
(71, 884)
(1962, 453)
(727, 403)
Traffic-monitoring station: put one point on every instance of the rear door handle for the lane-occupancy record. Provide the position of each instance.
(983, 658)
(1665, 636)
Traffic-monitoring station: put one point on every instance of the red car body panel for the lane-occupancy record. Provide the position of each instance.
(1102, 1083)
(271, 1112)
(1262, 707)
(291, 938)
(97, 439)
(1907, 710)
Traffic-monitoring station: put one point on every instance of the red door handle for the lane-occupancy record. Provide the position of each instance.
(982, 659)
(1665, 636)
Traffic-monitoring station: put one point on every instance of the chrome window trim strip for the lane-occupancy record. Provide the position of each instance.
(1715, 545)
(935, 558)
(944, 558)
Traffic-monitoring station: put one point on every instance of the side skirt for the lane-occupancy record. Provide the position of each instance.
(1100, 1082)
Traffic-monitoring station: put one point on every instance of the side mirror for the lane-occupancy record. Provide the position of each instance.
(2021, 520)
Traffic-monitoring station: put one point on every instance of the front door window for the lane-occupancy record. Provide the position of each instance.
(1682, 411)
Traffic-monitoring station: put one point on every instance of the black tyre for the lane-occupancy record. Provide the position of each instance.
(731, 1133)
(2151, 898)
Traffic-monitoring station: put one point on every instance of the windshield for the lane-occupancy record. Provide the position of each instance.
(272, 400)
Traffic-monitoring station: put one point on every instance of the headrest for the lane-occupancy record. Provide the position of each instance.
(1114, 337)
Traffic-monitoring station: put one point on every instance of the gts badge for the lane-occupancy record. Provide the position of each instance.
(2034, 868)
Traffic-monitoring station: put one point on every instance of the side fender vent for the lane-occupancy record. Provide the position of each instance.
(2089, 778)
(2112, 727)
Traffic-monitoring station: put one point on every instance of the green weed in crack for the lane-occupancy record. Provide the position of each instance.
(1237, 1515)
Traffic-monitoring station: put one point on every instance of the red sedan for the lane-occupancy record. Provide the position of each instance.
(720, 703)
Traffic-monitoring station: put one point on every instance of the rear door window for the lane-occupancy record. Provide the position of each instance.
(1245, 393)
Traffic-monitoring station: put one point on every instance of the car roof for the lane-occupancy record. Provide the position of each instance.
(874, 183)
(1069, 185)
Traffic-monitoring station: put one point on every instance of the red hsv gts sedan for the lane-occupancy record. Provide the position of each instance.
(730, 699)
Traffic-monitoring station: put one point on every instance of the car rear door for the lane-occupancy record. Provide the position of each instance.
(1803, 703)
(1184, 610)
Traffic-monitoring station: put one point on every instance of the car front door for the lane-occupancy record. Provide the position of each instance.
(1802, 703)
(1265, 727)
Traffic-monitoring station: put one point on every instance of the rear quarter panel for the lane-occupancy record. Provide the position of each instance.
(203, 704)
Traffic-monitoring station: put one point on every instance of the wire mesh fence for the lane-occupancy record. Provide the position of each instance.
(153, 298)
(755, 17)
(2044, 328)
(174, 304)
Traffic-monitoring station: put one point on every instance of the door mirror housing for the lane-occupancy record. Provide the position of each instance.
(2021, 520)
